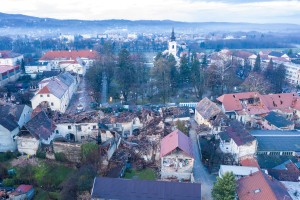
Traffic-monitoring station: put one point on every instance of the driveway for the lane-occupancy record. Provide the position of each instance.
(201, 174)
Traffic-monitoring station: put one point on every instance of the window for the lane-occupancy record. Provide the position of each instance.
(69, 127)
(82, 137)
(41, 95)
(48, 95)
(79, 128)
(56, 131)
(94, 127)
(52, 104)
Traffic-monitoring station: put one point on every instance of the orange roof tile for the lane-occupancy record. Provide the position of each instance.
(260, 186)
(249, 162)
(53, 55)
(44, 90)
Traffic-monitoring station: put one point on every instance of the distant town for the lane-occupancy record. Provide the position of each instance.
(124, 115)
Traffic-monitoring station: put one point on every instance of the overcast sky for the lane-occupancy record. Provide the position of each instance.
(264, 11)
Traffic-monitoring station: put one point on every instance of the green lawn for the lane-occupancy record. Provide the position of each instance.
(145, 174)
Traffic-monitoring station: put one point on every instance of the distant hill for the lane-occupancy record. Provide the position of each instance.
(12, 24)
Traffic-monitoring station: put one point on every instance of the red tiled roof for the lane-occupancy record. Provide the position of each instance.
(24, 188)
(249, 162)
(231, 102)
(174, 140)
(53, 55)
(44, 90)
(259, 186)
(283, 102)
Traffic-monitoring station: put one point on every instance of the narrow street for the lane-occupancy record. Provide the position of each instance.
(201, 174)
(81, 96)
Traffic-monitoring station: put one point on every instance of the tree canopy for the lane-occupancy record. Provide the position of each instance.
(224, 188)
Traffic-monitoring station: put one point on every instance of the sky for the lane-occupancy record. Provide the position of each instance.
(253, 11)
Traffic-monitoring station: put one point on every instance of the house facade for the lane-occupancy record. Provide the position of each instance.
(8, 132)
(55, 92)
(39, 130)
(177, 157)
(10, 58)
(237, 141)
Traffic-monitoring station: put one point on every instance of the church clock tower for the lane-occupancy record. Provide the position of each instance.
(172, 44)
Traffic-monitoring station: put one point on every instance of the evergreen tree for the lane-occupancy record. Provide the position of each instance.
(269, 72)
(126, 73)
(257, 67)
(185, 70)
(224, 188)
(197, 77)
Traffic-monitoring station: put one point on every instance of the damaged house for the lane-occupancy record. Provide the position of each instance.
(237, 141)
(177, 157)
(124, 123)
(80, 127)
(250, 107)
(211, 115)
(39, 130)
(12, 118)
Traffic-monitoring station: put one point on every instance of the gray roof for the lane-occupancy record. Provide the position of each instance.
(278, 120)
(57, 88)
(282, 166)
(66, 78)
(40, 126)
(269, 140)
(207, 109)
(8, 122)
(105, 188)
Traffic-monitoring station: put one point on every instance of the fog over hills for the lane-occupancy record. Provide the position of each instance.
(14, 24)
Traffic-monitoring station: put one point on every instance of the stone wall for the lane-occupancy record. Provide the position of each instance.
(71, 151)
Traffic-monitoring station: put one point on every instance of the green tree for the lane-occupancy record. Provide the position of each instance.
(257, 64)
(126, 74)
(161, 74)
(224, 188)
(290, 52)
(185, 70)
(269, 72)
(197, 77)
(174, 74)
(279, 78)
(181, 125)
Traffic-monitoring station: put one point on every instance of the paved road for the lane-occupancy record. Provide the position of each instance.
(81, 96)
(201, 174)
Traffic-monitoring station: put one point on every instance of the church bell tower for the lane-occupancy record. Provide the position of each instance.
(172, 44)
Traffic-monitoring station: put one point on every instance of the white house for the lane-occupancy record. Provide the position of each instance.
(75, 66)
(238, 171)
(10, 58)
(177, 157)
(39, 130)
(8, 132)
(237, 141)
(55, 92)
(81, 131)
(33, 69)
(86, 57)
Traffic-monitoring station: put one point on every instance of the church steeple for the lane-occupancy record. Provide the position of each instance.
(173, 38)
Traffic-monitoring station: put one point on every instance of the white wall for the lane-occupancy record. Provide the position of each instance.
(28, 145)
(25, 116)
(7, 141)
(11, 61)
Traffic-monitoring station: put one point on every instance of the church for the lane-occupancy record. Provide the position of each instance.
(172, 48)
